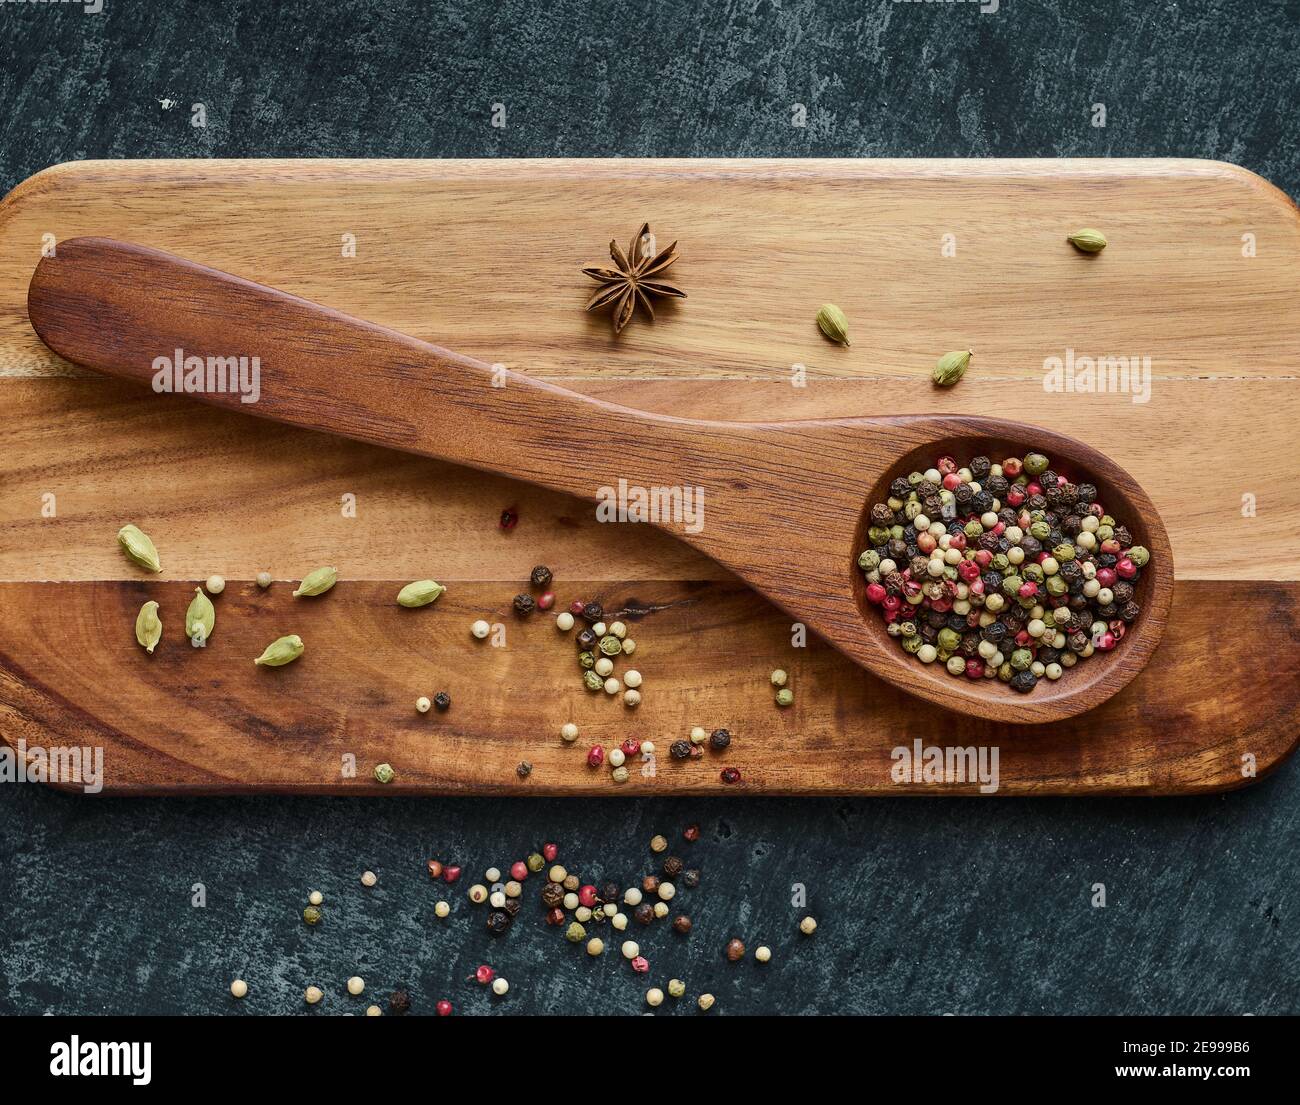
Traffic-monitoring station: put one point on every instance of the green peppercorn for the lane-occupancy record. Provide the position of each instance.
(785, 696)
(1036, 464)
(587, 660)
(575, 933)
(535, 862)
(611, 645)
(384, 773)
(592, 681)
(1140, 555)
(311, 915)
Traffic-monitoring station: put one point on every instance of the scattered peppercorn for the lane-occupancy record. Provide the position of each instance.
(498, 921)
(730, 775)
(644, 913)
(691, 878)
(509, 518)
(591, 612)
(311, 915)
(399, 1003)
(442, 700)
(680, 750)
(541, 576)
(523, 769)
(525, 604)
(681, 924)
(444, 1006)
(808, 926)
(705, 1002)
(719, 739)
(691, 832)
(735, 949)
(673, 866)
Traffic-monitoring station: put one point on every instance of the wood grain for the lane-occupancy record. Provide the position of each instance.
(207, 721)
(484, 257)
(782, 504)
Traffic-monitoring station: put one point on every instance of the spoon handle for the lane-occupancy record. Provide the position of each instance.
(142, 314)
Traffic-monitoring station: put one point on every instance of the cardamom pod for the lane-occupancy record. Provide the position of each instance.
(317, 582)
(148, 627)
(200, 617)
(833, 324)
(420, 593)
(951, 367)
(1088, 240)
(284, 651)
(138, 548)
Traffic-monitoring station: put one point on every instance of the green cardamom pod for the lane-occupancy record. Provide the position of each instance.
(833, 324)
(951, 367)
(1088, 240)
(148, 627)
(420, 593)
(200, 617)
(137, 546)
(317, 582)
(284, 651)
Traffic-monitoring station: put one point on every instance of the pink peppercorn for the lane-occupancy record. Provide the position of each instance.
(968, 570)
(1110, 547)
(1106, 641)
(1015, 496)
(946, 466)
(1032, 489)
(926, 542)
(957, 541)
(577, 607)
(1027, 590)
(444, 1008)
(587, 896)
(974, 669)
(640, 964)
(550, 851)
(631, 746)
(519, 870)
(450, 873)
(485, 974)
(545, 600)
(731, 775)
(1106, 577)
(951, 481)
(875, 593)
(1011, 467)
(892, 602)
(596, 756)
(1124, 568)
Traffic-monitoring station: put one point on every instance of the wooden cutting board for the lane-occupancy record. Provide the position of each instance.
(484, 257)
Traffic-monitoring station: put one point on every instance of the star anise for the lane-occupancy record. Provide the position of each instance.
(630, 282)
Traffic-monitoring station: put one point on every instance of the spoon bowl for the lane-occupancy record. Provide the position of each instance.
(781, 504)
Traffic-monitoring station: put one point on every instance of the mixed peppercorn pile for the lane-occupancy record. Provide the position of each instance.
(1004, 571)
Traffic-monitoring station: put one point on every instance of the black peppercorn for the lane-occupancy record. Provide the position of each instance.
(682, 924)
(609, 892)
(498, 921)
(399, 1003)
(980, 467)
(541, 576)
(525, 604)
(552, 894)
(644, 913)
(1024, 681)
(691, 878)
(512, 906)
(673, 867)
(442, 700)
(650, 884)
(523, 769)
(586, 641)
(680, 750)
(719, 739)
(592, 612)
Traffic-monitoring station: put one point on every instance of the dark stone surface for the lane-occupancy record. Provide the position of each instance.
(925, 906)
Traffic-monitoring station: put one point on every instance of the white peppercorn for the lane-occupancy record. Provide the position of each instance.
(500, 986)
(569, 731)
(808, 926)
(631, 949)
(762, 953)
(238, 988)
(312, 995)
(654, 997)
(315, 897)
(480, 629)
(215, 585)
(369, 878)
(564, 621)
(356, 984)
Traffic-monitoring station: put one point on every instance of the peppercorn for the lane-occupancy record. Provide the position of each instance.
(680, 750)
(498, 921)
(509, 518)
(719, 739)
(609, 892)
(552, 894)
(644, 913)
(311, 915)
(399, 1003)
(442, 701)
(591, 612)
(541, 576)
(555, 916)
(575, 933)
(524, 604)
(691, 832)
(585, 640)
(673, 867)
(735, 950)
(444, 1008)
(523, 769)
(691, 878)
(681, 924)
(535, 862)
(512, 906)
(730, 775)
(650, 884)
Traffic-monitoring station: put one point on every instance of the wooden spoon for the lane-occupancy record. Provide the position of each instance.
(785, 504)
